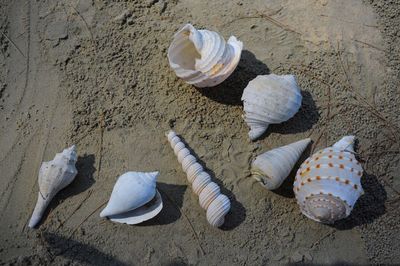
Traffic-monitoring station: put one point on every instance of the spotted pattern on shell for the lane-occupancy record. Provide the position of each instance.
(328, 184)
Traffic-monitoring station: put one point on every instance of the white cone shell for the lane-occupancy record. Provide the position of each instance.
(270, 99)
(328, 184)
(202, 57)
(272, 167)
(209, 192)
(54, 176)
(131, 191)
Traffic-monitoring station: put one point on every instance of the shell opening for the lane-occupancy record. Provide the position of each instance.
(185, 53)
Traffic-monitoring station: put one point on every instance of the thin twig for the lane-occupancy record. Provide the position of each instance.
(87, 217)
(13, 44)
(322, 238)
(370, 45)
(190, 223)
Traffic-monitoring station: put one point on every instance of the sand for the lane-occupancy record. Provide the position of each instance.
(95, 74)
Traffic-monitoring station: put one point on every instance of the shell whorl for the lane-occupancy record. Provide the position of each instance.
(216, 204)
(328, 184)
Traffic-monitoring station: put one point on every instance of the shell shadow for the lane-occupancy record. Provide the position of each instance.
(172, 196)
(303, 120)
(58, 245)
(230, 91)
(368, 207)
(286, 189)
(237, 213)
(83, 181)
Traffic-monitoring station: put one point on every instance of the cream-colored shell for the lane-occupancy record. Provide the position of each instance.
(53, 176)
(272, 167)
(202, 57)
(216, 204)
(270, 99)
(134, 198)
(327, 185)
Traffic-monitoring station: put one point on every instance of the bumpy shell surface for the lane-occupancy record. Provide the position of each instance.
(327, 185)
(216, 204)
(270, 99)
(272, 167)
(54, 176)
(131, 192)
(202, 57)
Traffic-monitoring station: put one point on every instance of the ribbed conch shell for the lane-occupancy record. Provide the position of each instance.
(270, 99)
(272, 167)
(328, 183)
(134, 198)
(210, 197)
(54, 176)
(202, 57)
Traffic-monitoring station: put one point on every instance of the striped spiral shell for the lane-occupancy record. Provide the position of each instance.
(327, 185)
(216, 204)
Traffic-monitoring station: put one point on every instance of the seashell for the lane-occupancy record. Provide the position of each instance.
(209, 192)
(134, 198)
(54, 176)
(327, 185)
(270, 99)
(272, 167)
(202, 57)
(217, 210)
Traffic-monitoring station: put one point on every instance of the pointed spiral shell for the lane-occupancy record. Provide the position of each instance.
(328, 184)
(216, 204)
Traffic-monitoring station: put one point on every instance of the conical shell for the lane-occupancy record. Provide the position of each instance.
(54, 176)
(328, 184)
(131, 191)
(270, 99)
(209, 192)
(272, 167)
(217, 210)
(202, 57)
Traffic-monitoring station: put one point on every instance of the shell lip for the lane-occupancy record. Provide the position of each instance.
(141, 214)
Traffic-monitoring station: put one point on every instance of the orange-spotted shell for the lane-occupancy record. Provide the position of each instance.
(327, 185)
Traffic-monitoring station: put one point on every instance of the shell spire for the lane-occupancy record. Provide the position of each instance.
(328, 184)
(53, 176)
(216, 204)
(272, 167)
(202, 57)
(269, 99)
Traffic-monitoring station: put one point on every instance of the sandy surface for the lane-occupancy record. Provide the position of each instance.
(72, 74)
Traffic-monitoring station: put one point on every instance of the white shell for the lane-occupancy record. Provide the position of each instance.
(134, 198)
(209, 192)
(272, 167)
(202, 57)
(327, 185)
(270, 99)
(54, 176)
(217, 210)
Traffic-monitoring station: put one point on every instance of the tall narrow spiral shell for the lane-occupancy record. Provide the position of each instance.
(269, 99)
(216, 204)
(327, 185)
(202, 57)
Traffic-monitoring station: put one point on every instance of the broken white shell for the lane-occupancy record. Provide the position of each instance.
(272, 167)
(216, 204)
(327, 185)
(134, 198)
(202, 57)
(54, 176)
(270, 99)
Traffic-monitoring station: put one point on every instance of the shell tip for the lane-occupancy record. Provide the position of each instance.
(346, 143)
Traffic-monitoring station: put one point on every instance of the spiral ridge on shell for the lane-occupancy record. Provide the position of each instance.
(217, 205)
